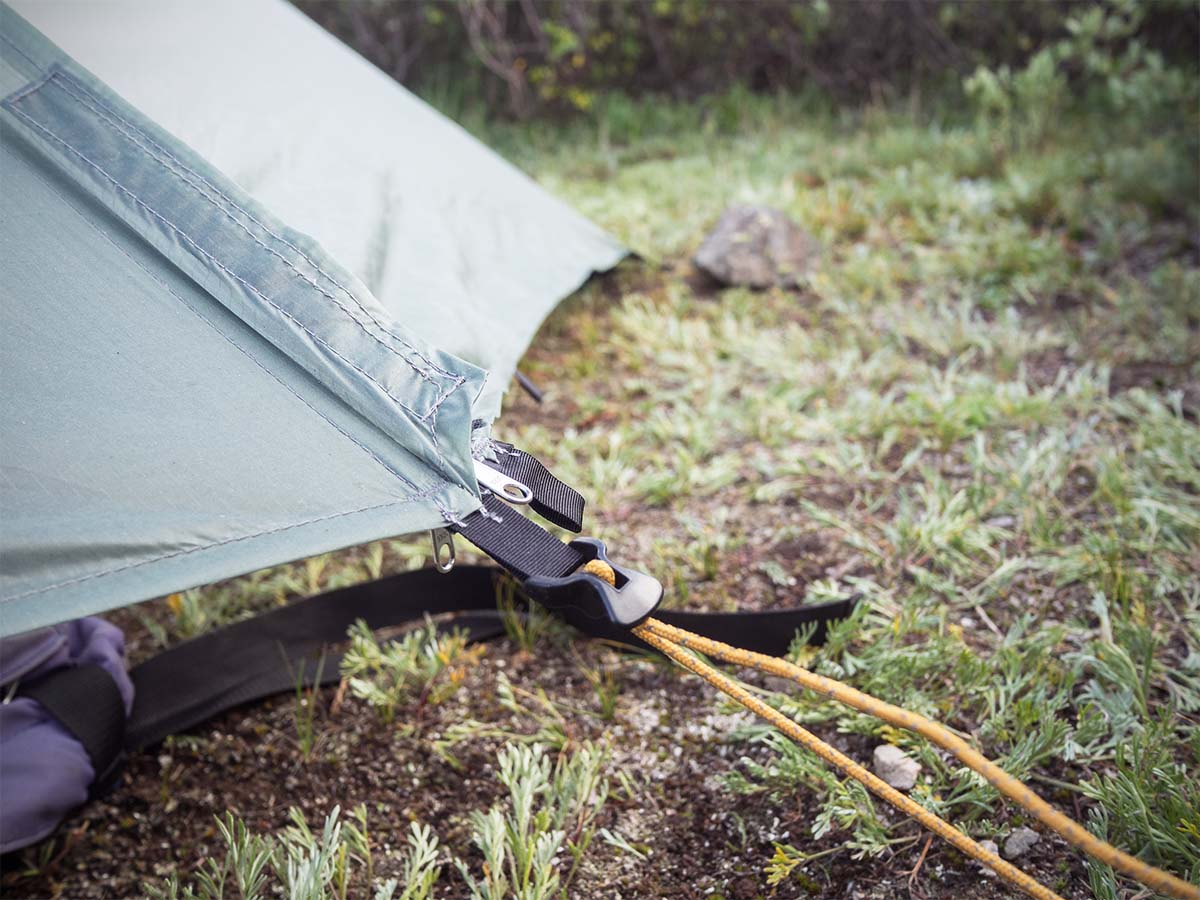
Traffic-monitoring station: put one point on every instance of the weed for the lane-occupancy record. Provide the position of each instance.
(608, 690)
(550, 807)
(525, 623)
(425, 666)
(550, 720)
(304, 707)
(303, 865)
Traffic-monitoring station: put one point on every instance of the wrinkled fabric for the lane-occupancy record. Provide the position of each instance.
(456, 243)
(192, 389)
(44, 772)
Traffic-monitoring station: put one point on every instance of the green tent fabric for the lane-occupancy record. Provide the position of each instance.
(192, 388)
(452, 240)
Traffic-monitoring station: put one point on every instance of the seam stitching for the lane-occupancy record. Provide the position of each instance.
(202, 186)
(82, 88)
(216, 262)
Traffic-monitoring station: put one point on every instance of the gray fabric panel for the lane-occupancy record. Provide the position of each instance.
(151, 438)
(318, 317)
(456, 243)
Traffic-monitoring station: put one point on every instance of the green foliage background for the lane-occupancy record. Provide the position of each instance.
(524, 57)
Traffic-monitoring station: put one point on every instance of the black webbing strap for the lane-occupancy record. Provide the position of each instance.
(86, 701)
(520, 545)
(553, 500)
(768, 631)
(272, 653)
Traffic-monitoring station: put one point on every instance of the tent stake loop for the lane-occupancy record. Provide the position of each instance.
(442, 540)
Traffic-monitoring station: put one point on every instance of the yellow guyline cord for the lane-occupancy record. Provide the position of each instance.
(671, 641)
(876, 785)
(1070, 830)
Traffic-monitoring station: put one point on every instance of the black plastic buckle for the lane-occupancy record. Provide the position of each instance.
(634, 597)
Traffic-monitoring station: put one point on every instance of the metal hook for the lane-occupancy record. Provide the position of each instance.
(442, 539)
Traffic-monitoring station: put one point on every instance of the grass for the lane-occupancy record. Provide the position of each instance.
(980, 413)
(303, 865)
(946, 408)
(424, 667)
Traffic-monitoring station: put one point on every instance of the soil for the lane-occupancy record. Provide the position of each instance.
(701, 839)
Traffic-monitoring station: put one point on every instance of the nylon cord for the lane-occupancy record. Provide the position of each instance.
(1070, 830)
(672, 642)
(834, 757)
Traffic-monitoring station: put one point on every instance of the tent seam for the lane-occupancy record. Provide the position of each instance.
(349, 293)
(207, 321)
(443, 465)
(33, 122)
(28, 58)
(422, 495)
(108, 115)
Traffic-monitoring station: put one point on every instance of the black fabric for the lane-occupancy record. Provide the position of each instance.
(270, 654)
(87, 702)
(553, 500)
(521, 546)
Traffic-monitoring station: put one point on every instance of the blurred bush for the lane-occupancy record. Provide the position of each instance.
(1026, 58)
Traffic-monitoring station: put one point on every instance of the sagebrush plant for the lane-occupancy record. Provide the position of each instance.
(551, 806)
(550, 810)
(427, 665)
(335, 864)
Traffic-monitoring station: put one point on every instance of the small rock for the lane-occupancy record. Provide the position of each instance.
(755, 246)
(990, 847)
(1020, 842)
(895, 767)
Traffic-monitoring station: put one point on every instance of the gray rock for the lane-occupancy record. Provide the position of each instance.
(895, 767)
(990, 847)
(755, 246)
(1020, 842)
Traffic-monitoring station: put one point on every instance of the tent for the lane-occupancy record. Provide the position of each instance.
(250, 291)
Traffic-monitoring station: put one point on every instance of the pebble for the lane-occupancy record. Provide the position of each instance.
(1020, 842)
(990, 847)
(896, 767)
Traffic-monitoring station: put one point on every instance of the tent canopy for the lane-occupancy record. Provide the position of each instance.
(452, 241)
(195, 389)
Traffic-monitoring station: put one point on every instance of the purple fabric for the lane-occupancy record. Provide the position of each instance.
(44, 772)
